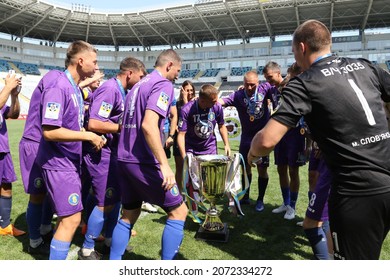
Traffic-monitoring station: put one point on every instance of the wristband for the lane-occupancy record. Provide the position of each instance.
(170, 135)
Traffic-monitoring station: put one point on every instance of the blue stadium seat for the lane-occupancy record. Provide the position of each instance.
(109, 73)
(28, 68)
(260, 70)
(4, 66)
(50, 67)
(212, 72)
(239, 71)
(187, 73)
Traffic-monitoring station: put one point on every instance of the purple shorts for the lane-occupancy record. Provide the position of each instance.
(142, 182)
(318, 203)
(96, 171)
(289, 149)
(31, 172)
(64, 189)
(313, 161)
(7, 170)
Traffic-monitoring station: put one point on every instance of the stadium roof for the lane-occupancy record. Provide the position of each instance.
(204, 21)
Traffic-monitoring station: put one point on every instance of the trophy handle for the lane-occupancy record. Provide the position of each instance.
(190, 200)
(232, 193)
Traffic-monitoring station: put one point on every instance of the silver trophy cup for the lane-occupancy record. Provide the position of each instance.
(213, 174)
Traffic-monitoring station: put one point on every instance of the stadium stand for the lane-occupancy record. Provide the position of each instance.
(260, 70)
(212, 72)
(4, 66)
(239, 71)
(27, 68)
(204, 60)
(109, 73)
(186, 73)
(50, 67)
(230, 86)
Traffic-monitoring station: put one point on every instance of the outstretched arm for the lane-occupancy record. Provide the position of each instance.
(266, 139)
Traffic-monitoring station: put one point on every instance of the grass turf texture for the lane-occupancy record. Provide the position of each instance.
(261, 235)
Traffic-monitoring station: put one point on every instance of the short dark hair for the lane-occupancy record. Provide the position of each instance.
(166, 56)
(208, 91)
(271, 65)
(75, 48)
(314, 33)
(132, 63)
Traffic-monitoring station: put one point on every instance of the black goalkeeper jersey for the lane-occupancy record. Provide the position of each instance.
(340, 99)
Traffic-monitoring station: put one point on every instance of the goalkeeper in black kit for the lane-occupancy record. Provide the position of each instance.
(341, 100)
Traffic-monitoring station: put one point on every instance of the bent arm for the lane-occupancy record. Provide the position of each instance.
(102, 127)
(61, 134)
(266, 139)
(221, 101)
(14, 109)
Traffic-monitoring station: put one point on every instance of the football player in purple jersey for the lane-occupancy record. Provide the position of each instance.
(39, 212)
(59, 152)
(198, 118)
(144, 173)
(251, 103)
(99, 167)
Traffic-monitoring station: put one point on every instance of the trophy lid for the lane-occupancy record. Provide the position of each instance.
(213, 158)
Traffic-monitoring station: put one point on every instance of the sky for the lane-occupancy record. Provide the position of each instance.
(123, 6)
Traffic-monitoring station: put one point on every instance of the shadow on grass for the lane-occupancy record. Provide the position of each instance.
(256, 236)
(20, 223)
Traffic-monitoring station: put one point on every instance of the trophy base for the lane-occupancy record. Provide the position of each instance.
(214, 236)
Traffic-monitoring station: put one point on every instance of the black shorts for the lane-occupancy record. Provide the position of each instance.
(359, 225)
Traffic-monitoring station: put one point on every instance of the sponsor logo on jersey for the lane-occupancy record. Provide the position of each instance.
(204, 129)
(163, 101)
(105, 109)
(211, 116)
(180, 123)
(52, 110)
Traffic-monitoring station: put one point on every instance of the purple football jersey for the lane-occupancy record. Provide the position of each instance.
(199, 126)
(106, 105)
(61, 106)
(32, 128)
(253, 111)
(151, 93)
